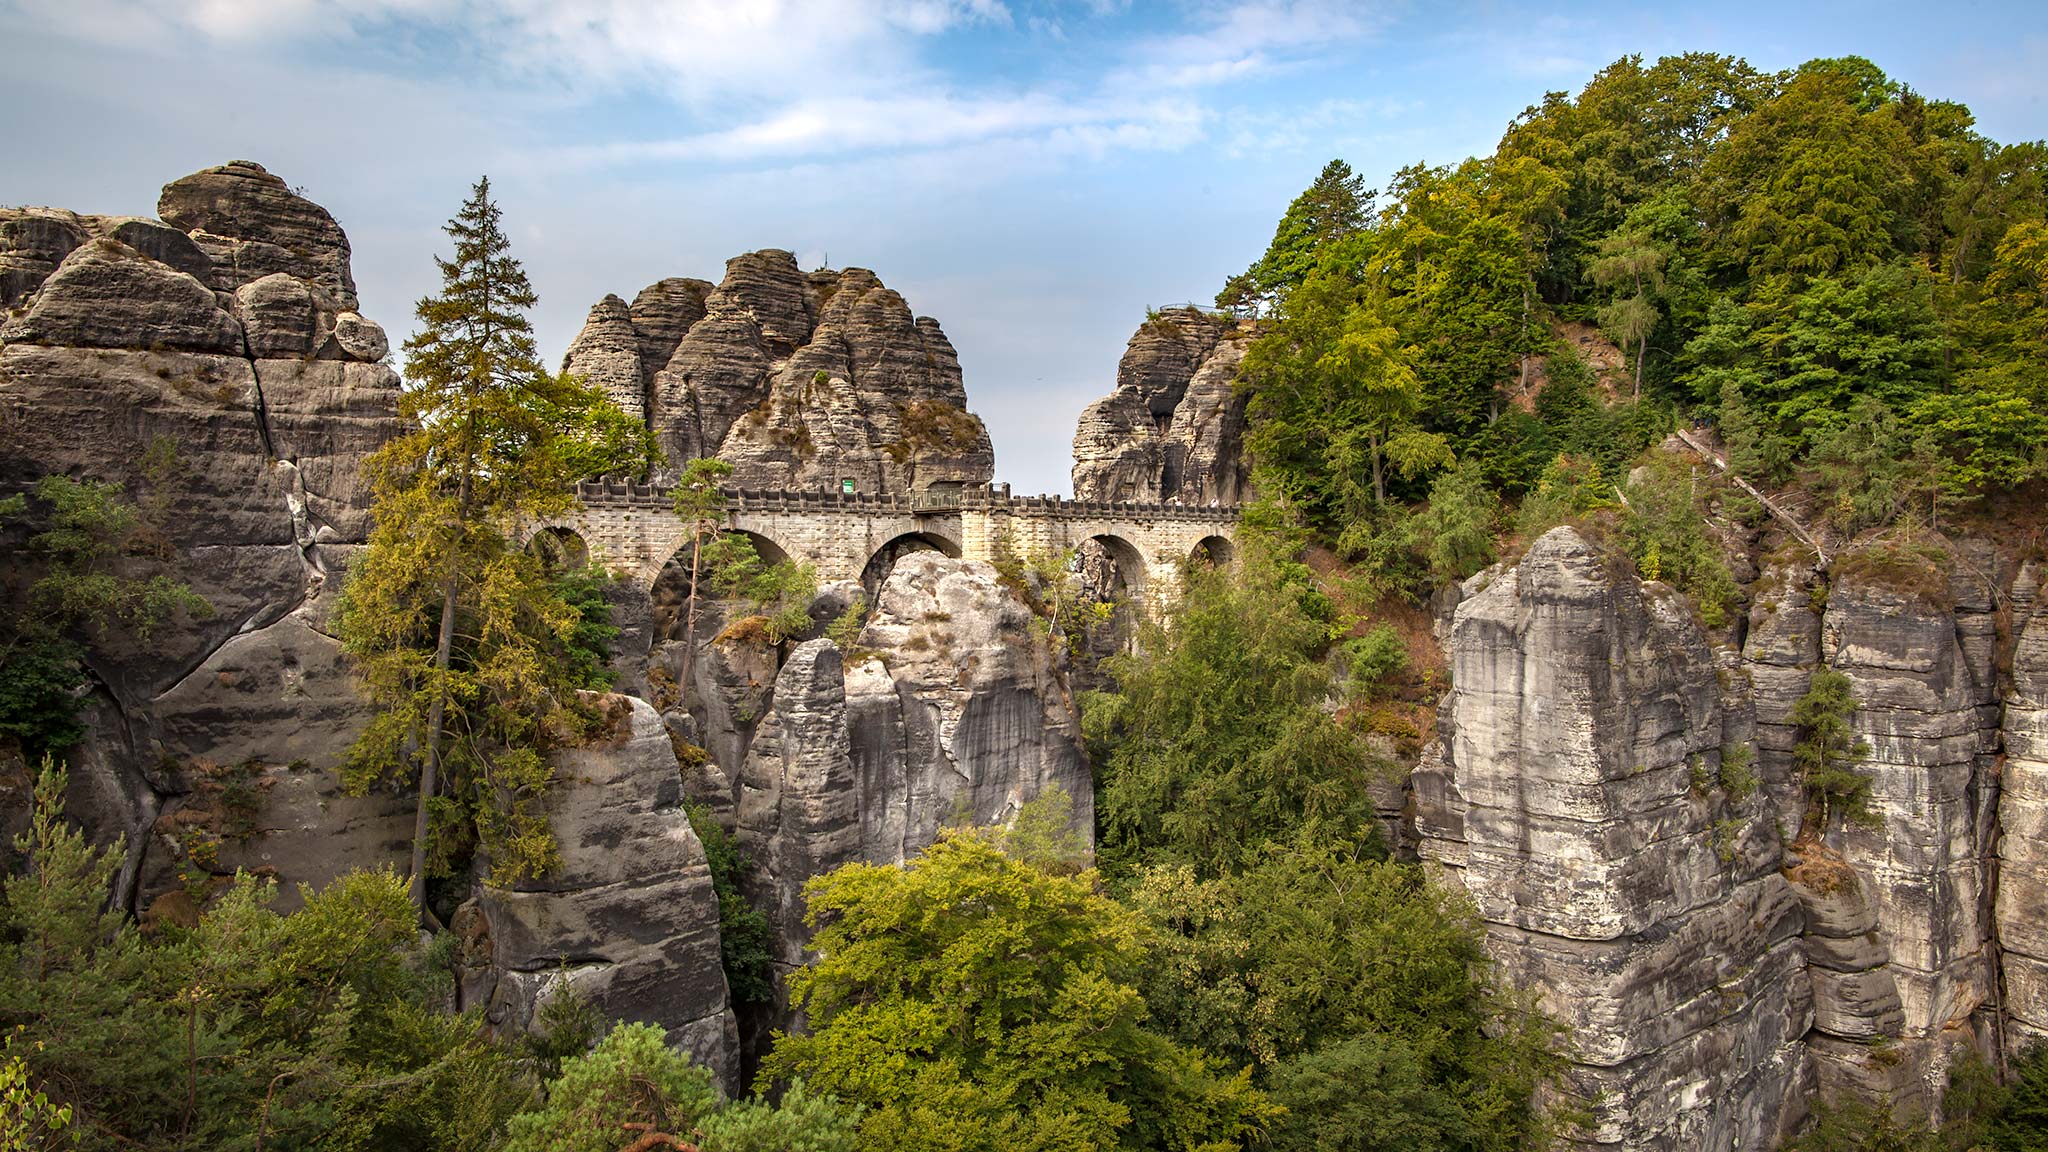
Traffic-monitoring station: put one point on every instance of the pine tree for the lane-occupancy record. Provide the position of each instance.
(1829, 749)
(456, 631)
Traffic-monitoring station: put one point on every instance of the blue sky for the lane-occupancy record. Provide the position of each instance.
(1034, 173)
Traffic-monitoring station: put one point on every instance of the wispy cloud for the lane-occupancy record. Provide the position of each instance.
(756, 81)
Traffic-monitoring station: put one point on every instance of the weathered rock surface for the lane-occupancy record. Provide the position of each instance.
(2022, 904)
(198, 362)
(1896, 631)
(1174, 427)
(959, 712)
(630, 913)
(251, 224)
(1649, 918)
(799, 805)
(800, 380)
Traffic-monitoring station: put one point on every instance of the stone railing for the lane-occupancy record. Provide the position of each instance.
(616, 492)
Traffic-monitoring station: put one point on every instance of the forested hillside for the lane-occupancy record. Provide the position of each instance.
(1835, 271)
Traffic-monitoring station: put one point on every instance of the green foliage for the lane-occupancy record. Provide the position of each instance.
(1335, 401)
(92, 580)
(801, 1122)
(970, 1001)
(1373, 659)
(1456, 531)
(470, 651)
(1216, 740)
(1042, 834)
(587, 652)
(1737, 774)
(631, 1077)
(744, 945)
(292, 1027)
(846, 628)
(1335, 207)
(1315, 964)
(29, 1120)
(1828, 750)
(1667, 536)
(633, 1085)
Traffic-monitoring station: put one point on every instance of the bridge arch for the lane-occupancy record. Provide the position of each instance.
(1126, 571)
(884, 558)
(1213, 552)
(669, 590)
(558, 548)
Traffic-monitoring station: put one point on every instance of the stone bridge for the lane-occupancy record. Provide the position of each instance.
(632, 528)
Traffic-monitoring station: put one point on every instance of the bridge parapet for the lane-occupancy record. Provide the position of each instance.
(619, 491)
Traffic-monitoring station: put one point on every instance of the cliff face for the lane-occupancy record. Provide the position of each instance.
(1721, 956)
(1174, 428)
(211, 363)
(1650, 919)
(799, 380)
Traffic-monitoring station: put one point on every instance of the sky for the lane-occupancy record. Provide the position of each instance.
(1034, 173)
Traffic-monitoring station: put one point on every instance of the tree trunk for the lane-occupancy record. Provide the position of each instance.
(437, 715)
(690, 621)
(1642, 350)
(1379, 476)
(430, 769)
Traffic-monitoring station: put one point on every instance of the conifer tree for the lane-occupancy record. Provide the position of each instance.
(457, 632)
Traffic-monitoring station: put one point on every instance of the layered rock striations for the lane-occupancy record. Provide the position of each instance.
(629, 919)
(799, 380)
(212, 365)
(1174, 428)
(1618, 791)
(1647, 915)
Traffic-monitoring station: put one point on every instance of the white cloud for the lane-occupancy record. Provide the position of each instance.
(755, 82)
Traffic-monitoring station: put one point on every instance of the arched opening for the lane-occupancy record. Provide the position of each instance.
(885, 557)
(559, 550)
(670, 596)
(1213, 552)
(1111, 571)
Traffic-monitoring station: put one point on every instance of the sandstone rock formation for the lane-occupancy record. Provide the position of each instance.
(210, 363)
(1174, 427)
(800, 380)
(1648, 916)
(1576, 783)
(957, 712)
(629, 919)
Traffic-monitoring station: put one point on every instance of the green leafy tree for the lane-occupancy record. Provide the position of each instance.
(1457, 530)
(1631, 258)
(90, 584)
(1336, 206)
(1828, 751)
(245, 1028)
(460, 638)
(631, 1085)
(969, 1001)
(1356, 989)
(1216, 740)
(744, 942)
(1334, 402)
